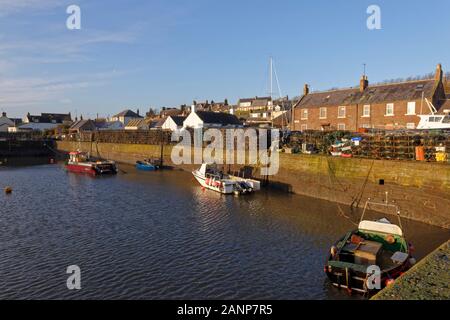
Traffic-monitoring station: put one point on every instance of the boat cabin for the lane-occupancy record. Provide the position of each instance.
(434, 122)
(78, 156)
(374, 243)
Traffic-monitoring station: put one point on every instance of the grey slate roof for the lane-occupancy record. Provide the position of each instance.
(49, 118)
(384, 93)
(127, 113)
(178, 120)
(218, 118)
(83, 124)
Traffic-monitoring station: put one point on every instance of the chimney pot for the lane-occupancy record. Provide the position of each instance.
(439, 73)
(306, 89)
(363, 83)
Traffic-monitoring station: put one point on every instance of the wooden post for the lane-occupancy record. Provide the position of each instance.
(162, 148)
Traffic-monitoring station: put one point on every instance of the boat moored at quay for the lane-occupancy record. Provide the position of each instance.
(210, 177)
(80, 162)
(375, 247)
(148, 165)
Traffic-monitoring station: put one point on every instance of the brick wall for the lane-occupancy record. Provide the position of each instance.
(354, 118)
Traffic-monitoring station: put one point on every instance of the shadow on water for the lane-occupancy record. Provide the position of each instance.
(155, 235)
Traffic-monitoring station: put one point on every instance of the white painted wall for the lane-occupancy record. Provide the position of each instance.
(193, 121)
(169, 124)
(5, 122)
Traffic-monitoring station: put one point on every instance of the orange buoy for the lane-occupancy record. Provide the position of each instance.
(8, 190)
(390, 239)
(389, 282)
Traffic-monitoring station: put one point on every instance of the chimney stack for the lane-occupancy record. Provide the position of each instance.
(439, 73)
(137, 111)
(363, 83)
(306, 90)
(4, 114)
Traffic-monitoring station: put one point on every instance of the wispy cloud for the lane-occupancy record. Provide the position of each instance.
(36, 91)
(15, 6)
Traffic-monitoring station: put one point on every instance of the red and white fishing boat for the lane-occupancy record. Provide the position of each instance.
(80, 162)
(211, 178)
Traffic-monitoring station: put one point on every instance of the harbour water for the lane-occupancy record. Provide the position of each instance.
(157, 235)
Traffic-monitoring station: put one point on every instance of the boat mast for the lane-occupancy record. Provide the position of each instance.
(273, 71)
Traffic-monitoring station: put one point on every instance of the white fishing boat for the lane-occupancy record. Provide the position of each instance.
(434, 120)
(211, 178)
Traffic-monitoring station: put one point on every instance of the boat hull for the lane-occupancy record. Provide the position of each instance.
(145, 167)
(356, 281)
(81, 169)
(90, 169)
(218, 186)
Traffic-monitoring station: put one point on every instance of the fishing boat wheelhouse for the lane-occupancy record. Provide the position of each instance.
(80, 162)
(375, 243)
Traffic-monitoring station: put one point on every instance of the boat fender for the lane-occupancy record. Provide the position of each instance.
(411, 248)
(333, 251)
(412, 261)
(389, 282)
(390, 239)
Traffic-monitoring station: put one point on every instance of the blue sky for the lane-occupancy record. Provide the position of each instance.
(137, 54)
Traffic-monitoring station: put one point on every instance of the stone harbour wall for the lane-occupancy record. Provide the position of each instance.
(420, 189)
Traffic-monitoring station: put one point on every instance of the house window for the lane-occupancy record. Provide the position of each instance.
(304, 114)
(411, 108)
(389, 109)
(304, 127)
(323, 113)
(366, 126)
(366, 111)
(341, 112)
(341, 126)
(410, 125)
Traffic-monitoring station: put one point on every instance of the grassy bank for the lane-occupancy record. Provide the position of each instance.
(428, 280)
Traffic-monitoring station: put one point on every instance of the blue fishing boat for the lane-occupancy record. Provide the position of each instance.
(146, 166)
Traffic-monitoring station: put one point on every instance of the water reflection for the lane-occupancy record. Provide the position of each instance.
(158, 235)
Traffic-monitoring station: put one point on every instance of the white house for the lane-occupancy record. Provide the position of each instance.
(208, 119)
(173, 123)
(126, 116)
(137, 124)
(5, 123)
